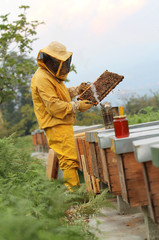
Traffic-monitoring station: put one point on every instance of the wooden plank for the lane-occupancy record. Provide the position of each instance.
(105, 170)
(156, 200)
(78, 155)
(88, 157)
(80, 146)
(80, 134)
(115, 185)
(135, 183)
(152, 171)
(84, 152)
(130, 173)
(130, 159)
(52, 165)
(154, 186)
(94, 160)
(156, 212)
(106, 158)
(135, 203)
(122, 178)
(95, 183)
(99, 163)
(87, 177)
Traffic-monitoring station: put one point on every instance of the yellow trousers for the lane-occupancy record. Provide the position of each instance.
(61, 139)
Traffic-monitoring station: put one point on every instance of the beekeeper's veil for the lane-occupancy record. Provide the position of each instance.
(56, 59)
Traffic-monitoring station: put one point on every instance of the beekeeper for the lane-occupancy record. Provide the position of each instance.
(54, 108)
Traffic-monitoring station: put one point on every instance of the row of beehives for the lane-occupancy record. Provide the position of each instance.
(40, 142)
(129, 166)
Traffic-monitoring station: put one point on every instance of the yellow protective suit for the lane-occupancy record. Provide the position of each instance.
(61, 140)
(54, 111)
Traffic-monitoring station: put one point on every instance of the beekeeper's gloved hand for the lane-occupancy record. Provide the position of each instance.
(75, 91)
(82, 106)
(85, 105)
(83, 86)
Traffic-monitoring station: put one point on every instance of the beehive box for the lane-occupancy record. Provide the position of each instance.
(112, 169)
(151, 176)
(132, 180)
(143, 151)
(98, 90)
(131, 176)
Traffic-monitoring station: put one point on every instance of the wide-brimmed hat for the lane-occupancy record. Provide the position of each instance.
(57, 50)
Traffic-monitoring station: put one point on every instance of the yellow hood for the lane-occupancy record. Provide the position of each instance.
(58, 51)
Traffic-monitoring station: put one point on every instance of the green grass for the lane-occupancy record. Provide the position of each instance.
(25, 144)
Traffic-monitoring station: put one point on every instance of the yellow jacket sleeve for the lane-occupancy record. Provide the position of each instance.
(54, 106)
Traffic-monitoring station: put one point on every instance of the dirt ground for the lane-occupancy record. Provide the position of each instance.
(114, 226)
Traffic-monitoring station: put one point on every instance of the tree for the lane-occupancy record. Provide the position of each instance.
(16, 70)
(18, 113)
(90, 117)
(16, 39)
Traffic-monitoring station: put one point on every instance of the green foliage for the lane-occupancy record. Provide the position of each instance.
(15, 41)
(138, 110)
(32, 207)
(72, 69)
(25, 144)
(135, 103)
(16, 69)
(18, 114)
(142, 109)
(91, 117)
(147, 114)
